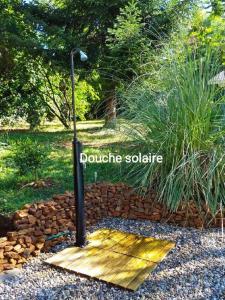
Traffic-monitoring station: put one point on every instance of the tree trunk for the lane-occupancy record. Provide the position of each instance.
(65, 123)
(110, 113)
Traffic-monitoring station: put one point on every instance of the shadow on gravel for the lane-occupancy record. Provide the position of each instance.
(67, 291)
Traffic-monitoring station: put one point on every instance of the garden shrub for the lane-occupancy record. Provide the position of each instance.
(29, 156)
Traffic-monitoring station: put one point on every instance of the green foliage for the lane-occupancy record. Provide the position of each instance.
(209, 31)
(34, 90)
(58, 168)
(19, 92)
(128, 49)
(217, 7)
(29, 156)
(185, 124)
(128, 43)
(17, 32)
(43, 33)
(85, 96)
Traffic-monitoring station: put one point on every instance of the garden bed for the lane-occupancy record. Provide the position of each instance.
(36, 223)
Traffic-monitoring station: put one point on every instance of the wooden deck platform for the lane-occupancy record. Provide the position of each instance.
(117, 257)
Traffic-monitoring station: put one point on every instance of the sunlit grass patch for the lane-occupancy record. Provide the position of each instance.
(58, 164)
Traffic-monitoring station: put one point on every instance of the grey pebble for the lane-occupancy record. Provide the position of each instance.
(195, 269)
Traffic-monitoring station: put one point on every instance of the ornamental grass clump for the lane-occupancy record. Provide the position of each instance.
(185, 123)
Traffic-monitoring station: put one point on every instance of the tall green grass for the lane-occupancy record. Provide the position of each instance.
(184, 123)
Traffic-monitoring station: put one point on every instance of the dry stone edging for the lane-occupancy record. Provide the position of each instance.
(35, 223)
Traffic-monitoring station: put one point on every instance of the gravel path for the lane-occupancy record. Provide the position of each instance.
(195, 269)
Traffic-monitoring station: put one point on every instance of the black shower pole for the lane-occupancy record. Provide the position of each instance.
(78, 176)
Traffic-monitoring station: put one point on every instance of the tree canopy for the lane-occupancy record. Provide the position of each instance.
(119, 36)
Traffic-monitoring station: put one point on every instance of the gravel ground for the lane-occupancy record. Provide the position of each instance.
(195, 269)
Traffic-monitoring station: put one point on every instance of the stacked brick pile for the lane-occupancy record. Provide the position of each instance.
(33, 225)
(37, 222)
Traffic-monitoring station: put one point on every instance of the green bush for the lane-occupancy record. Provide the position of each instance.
(29, 156)
(185, 123)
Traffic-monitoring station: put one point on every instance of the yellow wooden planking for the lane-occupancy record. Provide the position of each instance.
(152, 250)
(141, 276)
(141, 247)
(98, 265)
(65, 259)
(105, 238)
(124, 271)
(121, 258)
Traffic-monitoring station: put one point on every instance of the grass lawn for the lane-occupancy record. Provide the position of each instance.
(58, 165)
